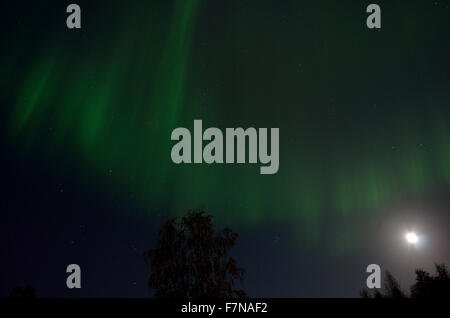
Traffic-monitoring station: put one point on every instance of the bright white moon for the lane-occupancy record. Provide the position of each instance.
(412, 238)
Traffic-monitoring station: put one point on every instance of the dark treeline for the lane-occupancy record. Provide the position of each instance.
(192, 260)
(427, 285)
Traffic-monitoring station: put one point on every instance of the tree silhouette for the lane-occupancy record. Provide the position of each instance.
(426, 286)
(392, 287)
(189, 261)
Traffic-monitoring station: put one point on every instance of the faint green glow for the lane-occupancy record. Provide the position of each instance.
(36, 93)
(112, 100)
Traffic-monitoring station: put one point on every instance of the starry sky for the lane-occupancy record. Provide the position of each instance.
(87, 114)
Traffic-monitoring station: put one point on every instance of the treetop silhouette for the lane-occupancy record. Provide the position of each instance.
(426, 286)
(189, 261)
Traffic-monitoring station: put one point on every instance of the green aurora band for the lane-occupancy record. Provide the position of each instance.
(360, 124)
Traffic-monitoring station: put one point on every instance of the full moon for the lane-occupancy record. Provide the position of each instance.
(412, 238)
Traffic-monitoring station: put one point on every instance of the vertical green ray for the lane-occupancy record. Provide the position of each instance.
(35, 93)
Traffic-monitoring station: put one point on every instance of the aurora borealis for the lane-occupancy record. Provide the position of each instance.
(363, 114)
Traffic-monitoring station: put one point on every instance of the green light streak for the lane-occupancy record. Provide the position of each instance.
(112, 100)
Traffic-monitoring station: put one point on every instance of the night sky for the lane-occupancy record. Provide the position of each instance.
(86, 119)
